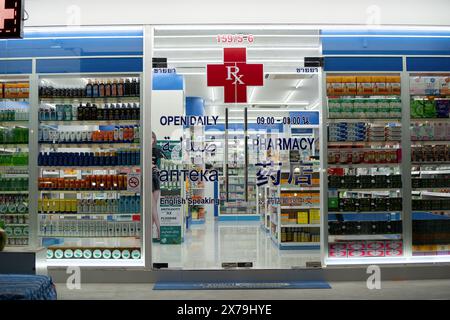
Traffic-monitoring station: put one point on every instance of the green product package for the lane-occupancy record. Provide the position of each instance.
(429, 109)
(416, 109)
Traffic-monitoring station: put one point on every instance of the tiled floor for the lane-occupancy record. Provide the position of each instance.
(424, 289)
(207, 246)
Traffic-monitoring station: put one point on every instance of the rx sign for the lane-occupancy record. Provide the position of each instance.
(235, 75)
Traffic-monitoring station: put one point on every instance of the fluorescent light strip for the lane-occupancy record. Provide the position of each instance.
(248, 60)
(252, 94)
(265, 103)
(213, 96)
(306, 27)
(299, 83)
(220, 49)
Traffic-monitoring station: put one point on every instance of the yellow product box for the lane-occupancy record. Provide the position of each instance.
(379, 85)
(11, 90)
(73, 205)
(365, 85)
(334, 86)
(302, 217)
(23, 90)
(62, 206)
(349, 85)
(39, 205)
(393, 85)
(1, 90)
(314, 216)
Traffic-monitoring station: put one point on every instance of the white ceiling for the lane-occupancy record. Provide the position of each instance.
(280, 50)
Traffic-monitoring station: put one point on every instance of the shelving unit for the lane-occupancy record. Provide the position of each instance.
(14, 159)
(430, 152)
(234, 205)
(364, 187)
(89, 144)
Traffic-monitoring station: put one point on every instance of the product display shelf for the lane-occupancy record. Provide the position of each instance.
(14, 159)
(364, 119)
(430, 156)
(89, 144)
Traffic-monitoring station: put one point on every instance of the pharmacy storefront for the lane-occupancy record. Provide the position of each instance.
(264, 151)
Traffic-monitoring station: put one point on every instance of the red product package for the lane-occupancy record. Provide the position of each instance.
(338, 253)
(338, 246)
(357, 253)
(356, 245)
(375, 253)
(375, 245)
(393, 253)
(394, 245)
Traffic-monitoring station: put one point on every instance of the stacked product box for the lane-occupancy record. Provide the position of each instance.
(430, 131)
(358, 249)
(363, 85)
(434, 108)
(430, 85)
(90, 228)
(361, 131)
(437, 153)
(307, 216)
(361, 155)
(364, 108)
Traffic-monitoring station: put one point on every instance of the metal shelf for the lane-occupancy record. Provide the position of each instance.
(86, 191)
(354, 120)
(299, 225)
(88, 144)
(14, 192)
(429, 119)
(367, 189)
(300, 188)
(365, 165)
(89, 99)
(365, 143)
(363, 212)
(297, 244)
(105, 167)
(429, 142)
(333, 238)
(89, 122)
(79, 236)
(14, 122)
(299, 207)
(430, 163)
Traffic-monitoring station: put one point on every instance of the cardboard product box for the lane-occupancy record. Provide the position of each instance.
(417, 85)
(393, 85)
(375, 245)
(394, 245)
(314, 216)
(393, 253)
(334, 85)
(338, 246)
(444, 86)
(375, 253)
(379, 85)
(432, 85)
(349, 85)
(356, 253)
(337, 253)
(365, 86)
(356, 245)
(302, 217)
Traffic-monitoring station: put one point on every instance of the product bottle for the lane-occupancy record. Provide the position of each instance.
(121, 88)
(117, 112)
(95, 89)
(101, 89)
(108, 88)
(114, 88)
(127, 89)
(133, 88)
(89, 91)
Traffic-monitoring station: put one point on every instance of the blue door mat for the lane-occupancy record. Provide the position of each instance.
(241, 285)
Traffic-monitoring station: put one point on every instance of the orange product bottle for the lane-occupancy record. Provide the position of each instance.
(120, 183)
(115, 183)
(125, 184)
(98, 182)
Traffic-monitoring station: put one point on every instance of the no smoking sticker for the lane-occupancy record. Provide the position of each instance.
(134, 182)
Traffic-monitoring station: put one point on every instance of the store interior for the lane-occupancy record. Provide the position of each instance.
(365, 178)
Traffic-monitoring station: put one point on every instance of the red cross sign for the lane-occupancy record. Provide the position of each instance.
(235, 75)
